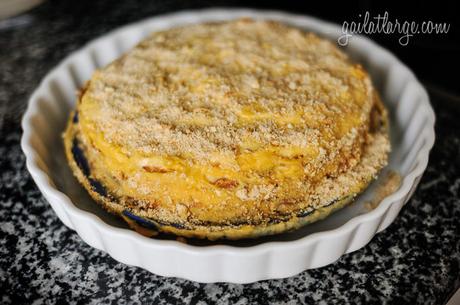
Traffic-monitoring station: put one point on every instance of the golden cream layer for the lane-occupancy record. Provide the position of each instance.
(247, 176)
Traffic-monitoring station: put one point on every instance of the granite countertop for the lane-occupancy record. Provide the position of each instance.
(414, 261)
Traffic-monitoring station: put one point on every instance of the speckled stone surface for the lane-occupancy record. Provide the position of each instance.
(415, 261)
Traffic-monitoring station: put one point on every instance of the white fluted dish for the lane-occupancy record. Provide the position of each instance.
(412, 136)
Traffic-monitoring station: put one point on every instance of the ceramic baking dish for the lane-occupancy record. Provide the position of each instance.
(412, 136)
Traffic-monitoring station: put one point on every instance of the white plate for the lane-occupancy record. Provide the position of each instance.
(316, 245)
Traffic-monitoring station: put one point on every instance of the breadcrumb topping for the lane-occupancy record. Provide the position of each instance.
(206, 88)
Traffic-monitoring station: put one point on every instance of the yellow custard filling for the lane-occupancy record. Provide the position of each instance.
(184, 180)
